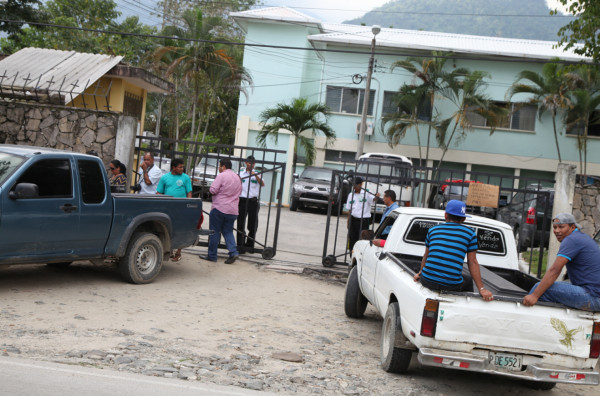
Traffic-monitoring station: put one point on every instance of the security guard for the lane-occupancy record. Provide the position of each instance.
(248, 206)
(359, 211)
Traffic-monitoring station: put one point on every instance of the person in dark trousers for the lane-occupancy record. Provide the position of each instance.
(359, 204)
(225, 191)
(580, 254)
(446, 246)
(248, 206)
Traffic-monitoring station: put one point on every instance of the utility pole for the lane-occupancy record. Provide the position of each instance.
(363, 122)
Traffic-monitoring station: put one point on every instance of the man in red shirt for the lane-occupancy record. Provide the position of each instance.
(225, 191)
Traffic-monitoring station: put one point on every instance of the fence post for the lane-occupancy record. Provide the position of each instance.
(125, 143)
(564, 190)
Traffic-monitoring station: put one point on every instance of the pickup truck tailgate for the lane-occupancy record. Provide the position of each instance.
(511, 326)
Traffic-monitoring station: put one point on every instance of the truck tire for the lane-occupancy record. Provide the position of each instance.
(143, 259)
(393, 360)
(355, 303)
(540, 385)
(294, 205)
(63, 264)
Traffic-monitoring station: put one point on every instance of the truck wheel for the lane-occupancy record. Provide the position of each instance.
(143, 259)
(294, 205)
(355, 303)
(541, 385)
(393, 360)
(63, 264)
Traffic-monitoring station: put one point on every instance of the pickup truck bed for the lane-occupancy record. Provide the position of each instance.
(501, 282)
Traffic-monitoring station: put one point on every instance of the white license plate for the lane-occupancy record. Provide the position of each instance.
(506, 361)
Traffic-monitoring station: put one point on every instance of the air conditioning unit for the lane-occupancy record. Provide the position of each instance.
(368, 131)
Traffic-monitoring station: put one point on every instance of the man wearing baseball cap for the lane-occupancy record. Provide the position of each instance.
(580, 254)
(446, 246)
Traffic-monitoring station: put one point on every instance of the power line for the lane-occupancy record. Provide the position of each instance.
(312, 49)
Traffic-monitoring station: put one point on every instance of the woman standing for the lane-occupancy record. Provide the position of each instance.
(117, 173)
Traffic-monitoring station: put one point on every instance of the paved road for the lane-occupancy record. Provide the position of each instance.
(24, 377)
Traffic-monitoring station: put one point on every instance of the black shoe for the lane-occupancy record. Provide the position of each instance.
(249, 249)
(204, 257)
(241, 250)
(231, 260)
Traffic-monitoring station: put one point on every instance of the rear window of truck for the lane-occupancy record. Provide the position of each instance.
(489, 240)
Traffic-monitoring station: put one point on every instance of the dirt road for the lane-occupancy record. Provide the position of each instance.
(211, 322)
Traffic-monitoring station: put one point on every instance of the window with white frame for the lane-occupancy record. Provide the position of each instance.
(348, 100)
(520, 117)
(390, 106)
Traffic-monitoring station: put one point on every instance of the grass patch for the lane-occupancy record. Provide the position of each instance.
(532, 256)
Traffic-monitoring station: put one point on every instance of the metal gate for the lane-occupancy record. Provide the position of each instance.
(201, 164)
(524, 203)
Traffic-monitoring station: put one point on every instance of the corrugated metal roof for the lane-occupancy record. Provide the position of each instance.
(70, 72)
(277, 14)
(416, 39)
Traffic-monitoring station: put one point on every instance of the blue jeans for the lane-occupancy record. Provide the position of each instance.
(221, 223)
(570, 295)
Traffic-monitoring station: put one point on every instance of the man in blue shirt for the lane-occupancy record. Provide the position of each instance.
(389, 199)
(176, 184)
(580, 254)
(445, 248)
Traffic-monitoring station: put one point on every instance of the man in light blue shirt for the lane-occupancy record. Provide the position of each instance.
(389, 199)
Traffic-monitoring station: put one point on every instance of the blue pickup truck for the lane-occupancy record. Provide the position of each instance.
(56, 207)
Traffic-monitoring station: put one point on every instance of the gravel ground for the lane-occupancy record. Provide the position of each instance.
(241, 324)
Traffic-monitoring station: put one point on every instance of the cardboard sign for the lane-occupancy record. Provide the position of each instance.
(483, 195)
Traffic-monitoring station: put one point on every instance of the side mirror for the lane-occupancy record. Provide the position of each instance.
(295, 175)
(24, 191)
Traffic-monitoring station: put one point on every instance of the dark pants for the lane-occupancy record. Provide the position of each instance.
(465, 286)
(356, 226)
(247, 207)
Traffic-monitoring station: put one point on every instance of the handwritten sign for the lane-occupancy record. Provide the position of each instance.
(483, 195)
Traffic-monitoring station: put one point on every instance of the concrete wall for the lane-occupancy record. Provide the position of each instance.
(586, 208)
(64, 128)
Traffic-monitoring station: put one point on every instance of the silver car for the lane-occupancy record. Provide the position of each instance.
(313, 188)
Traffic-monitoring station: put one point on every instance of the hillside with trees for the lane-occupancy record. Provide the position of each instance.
(528, 19)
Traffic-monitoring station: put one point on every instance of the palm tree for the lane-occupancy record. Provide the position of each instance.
(297, 117)
(434, 82)
(583, 113)
(409, 102)
(191, 58)
(466, 94)
(550, 90)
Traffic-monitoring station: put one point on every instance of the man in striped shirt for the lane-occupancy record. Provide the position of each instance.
(447, 244)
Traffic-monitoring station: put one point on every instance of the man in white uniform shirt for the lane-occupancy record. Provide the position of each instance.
(150, 175)
(248, 206)
(359, 204)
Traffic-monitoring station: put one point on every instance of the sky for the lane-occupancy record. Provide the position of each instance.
(337, 11)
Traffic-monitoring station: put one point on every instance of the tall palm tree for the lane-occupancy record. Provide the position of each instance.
(409, 102)
(550, 90)
(297, 117)
(584, 111)
(434, 82)
(191, 57)
(466, 94)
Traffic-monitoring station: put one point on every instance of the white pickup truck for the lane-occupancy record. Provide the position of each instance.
(545, 344)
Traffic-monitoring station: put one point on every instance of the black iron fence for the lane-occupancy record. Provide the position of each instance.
(201, 164)
(525, 203)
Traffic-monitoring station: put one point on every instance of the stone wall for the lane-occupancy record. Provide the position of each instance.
(586, 208)
(60, 127)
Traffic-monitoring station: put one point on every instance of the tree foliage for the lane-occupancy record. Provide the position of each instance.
(18, 10)
(297, 117)
(584, 29)
(88, 14)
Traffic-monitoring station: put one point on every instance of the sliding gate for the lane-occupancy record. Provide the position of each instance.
(201, 164)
